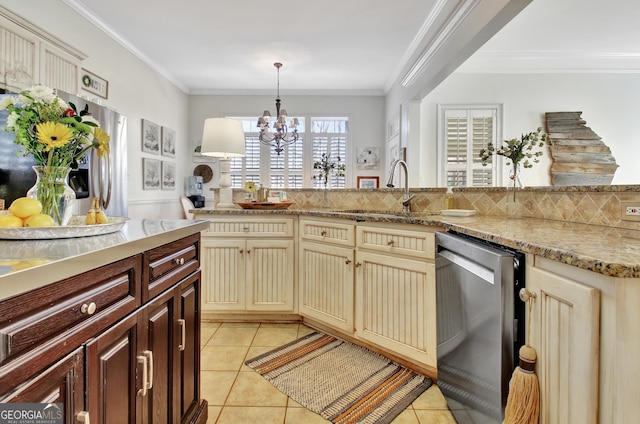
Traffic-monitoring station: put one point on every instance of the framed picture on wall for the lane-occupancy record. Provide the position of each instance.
(168, 142)
(150, 174)
(368, 158)
(168, 175)
(150, 137)
(368, 182)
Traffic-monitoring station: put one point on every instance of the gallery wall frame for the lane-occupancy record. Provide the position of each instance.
(94, 84)
(368, 158)
(151, 174)
(168, 175)
(168, 142)
(150, 137)
(368, 181)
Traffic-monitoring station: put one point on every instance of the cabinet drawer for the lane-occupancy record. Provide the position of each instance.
(406, 242)
(165, 265)
(73, 309)
(256, 226)
(328, 232)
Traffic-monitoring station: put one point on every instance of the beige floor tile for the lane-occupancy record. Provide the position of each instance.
(228, 336)
(239, 324)
(293, 404)
(250, 389)
(206, 331)
(431, 399)
(215, 386)
(434, 416)
(251, 415)
(252, 353)
(214, 412)
(408, 416)
(303, 416)
(223, 358)
(303, 330)
(275, 336)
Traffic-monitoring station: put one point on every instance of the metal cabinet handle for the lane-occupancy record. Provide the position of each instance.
(183, 334)
(248, 251)
(358, 264)
(179, 261)
(525, 295)
(241, 251)
(347, 261)
(149, 355)
(323, 233)
(390, 242)
(89, 309)
(245, 229)
(83, 417)
(142, 359)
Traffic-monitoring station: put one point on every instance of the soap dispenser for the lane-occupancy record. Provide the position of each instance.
(449, 200)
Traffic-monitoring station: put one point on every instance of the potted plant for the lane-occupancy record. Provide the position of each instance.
(328, 167)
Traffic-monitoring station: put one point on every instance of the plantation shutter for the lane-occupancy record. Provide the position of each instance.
(467, 131)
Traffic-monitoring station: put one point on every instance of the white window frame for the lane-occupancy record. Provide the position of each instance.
(495, 109)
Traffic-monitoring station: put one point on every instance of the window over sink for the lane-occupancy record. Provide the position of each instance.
(294, 167)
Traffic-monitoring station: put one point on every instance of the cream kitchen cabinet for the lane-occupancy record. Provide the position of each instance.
(248, 264)
(27, 48)
(326, 272)
(395, 290)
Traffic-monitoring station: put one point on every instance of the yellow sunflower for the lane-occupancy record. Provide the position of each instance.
(250, 187)
(101, 142)
(53, 134)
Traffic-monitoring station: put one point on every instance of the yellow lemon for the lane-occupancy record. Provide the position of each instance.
(39, 220)
(25, 206)
(10, 221)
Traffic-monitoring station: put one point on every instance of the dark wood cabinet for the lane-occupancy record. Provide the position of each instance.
(115, 345)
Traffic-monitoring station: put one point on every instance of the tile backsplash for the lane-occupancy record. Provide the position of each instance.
(599, 205)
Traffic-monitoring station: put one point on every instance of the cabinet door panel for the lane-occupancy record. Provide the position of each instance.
(565, 333)
(270, 275)
(63, 382)
(188, 346)
(113, 374)
(223, 265)
(326, 284)
(395, 304)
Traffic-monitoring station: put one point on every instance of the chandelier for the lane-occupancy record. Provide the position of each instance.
(279, 138)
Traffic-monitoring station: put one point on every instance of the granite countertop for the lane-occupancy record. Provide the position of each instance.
(29, 264)
(609, 251)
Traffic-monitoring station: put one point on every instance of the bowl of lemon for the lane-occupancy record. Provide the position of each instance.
(23, 220)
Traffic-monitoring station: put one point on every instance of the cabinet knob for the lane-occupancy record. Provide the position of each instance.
(323, 233)
(245, 229)
(179, 261)
(248, 251)
(348, 261)
(241, 251)
(83, 417)
(89, 309)
(358, 264)
(526, 295)
(390, 242)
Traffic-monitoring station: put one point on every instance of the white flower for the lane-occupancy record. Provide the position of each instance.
(42, 94)
(9, 100)
(11, 120)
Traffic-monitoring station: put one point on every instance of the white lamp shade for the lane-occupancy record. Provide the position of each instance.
(223, 138)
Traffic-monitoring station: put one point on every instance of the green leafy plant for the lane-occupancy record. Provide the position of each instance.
(328, 167)
(523, 151)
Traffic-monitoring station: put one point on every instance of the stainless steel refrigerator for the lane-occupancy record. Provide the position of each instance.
(104, 178)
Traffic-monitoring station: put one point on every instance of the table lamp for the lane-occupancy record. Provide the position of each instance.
(223, 138)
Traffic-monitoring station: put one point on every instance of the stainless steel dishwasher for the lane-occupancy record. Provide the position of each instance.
(480, 323)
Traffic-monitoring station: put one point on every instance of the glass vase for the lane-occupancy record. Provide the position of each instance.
(53, 191)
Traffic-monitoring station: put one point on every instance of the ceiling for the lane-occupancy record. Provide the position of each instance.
(354, 46)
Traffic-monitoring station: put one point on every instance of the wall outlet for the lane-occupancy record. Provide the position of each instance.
(630, 211)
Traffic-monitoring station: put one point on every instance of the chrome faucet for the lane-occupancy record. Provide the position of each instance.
(406, 198)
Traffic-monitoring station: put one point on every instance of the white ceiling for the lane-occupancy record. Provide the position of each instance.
(355, 46)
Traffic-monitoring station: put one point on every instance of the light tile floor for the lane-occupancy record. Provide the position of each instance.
(238, 395)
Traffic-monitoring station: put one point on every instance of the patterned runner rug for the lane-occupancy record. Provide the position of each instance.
(340, 381)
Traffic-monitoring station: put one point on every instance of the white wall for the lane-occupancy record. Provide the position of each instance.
(366, 121)
(135, 90)
(609, 102)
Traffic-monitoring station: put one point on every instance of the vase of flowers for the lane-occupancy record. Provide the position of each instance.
(57, 135)
(327, 168)
(520, 152)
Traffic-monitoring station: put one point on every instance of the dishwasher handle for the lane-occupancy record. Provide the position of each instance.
(473, 267)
